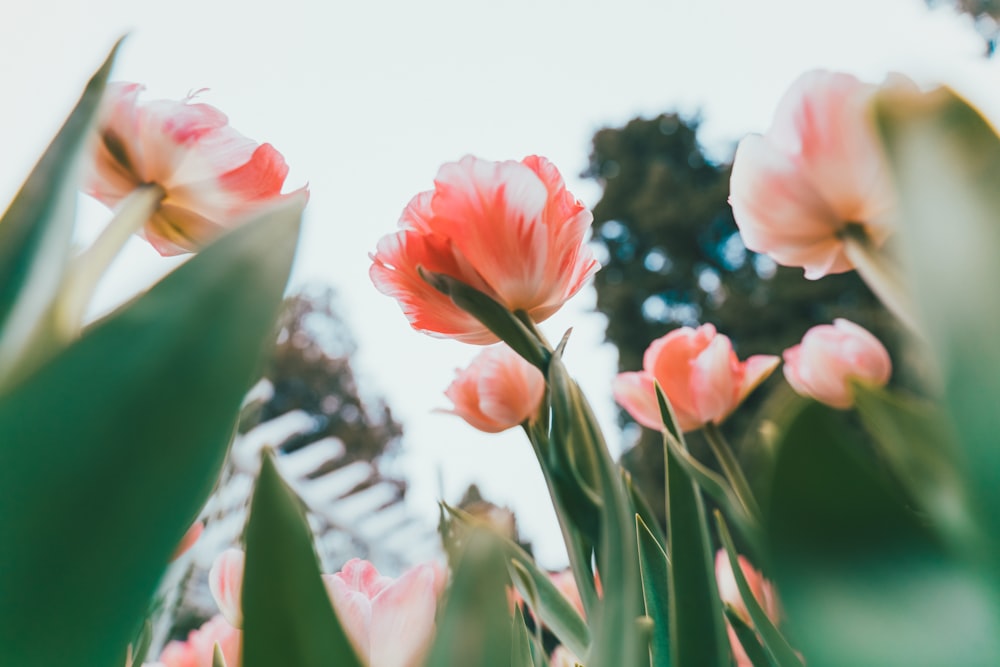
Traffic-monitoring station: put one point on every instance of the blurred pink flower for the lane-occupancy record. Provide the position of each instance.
(199, 649)
(509, 229)
(817, 169)
(830, 355)
(389, 621)
(497, 391)
(699, 374)
(562, 657)
(762, 589)
(210, 174)
(225, 581)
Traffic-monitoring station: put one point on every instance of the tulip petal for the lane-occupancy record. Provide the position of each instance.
(403, 619)
(637, 394)
(225, 581)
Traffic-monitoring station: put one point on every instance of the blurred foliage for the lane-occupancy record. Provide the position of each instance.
(310, 368)
(673, 256)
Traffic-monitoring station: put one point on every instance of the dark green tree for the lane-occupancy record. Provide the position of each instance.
(673, 256)
(310, 368)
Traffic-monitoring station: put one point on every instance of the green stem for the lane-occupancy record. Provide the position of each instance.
(579, 554)
(732, 470)
(86, 270)
(880, 274)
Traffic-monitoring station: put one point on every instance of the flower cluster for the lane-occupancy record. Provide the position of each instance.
(390, 622)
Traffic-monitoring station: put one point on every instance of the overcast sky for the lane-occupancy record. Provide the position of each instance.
(367, 99)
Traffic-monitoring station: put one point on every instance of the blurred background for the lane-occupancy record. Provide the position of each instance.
(640, 104)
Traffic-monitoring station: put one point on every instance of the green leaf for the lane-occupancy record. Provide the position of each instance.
(536, 587)
(913, 439)
(218, 660)
(862, 581)
(715, 486)
(775, 644)
(520, 654)
(645, 512)
(748, 639)
(36, 230)
(112, 447)
(945, 157)
(618, 639)
(654, 567)
(288, 618)
(697, 628)
(475, 628)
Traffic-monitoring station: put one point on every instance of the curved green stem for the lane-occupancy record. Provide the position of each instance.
(732, 470)
(87, 269)
(880, 274)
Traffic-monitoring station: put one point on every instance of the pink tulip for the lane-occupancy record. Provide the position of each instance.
(199, 649)
(829, 356)
(225, 581)
(818, 169)
(210, 174)
(509, 229)
(389, 621)
(700, 375)
(497, 391)
(729, 592)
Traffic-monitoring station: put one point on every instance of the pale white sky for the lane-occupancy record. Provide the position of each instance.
(367, 99)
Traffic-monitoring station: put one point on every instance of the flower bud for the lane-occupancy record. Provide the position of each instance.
(829, 356)
(497, 391)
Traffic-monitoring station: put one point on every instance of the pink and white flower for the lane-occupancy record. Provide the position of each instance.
(210, 174)
(225, 581)
(497, 391)
(199, 648)
(762, 589)
(390, 622)
(699, 374)
(830, 356)
(509, 229)
(818, 169)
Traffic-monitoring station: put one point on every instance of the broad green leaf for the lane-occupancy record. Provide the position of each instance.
(618, 640)
(112, 447)
(697, 630)
(747, 638)
(913, 439)
(777, 647)
(536, 587)
(722, 491)
(697, 627)
(715, 486)
(288, 618)
(862, 581)
(655, 582)
(36, 230)
(945, 159)
(474, 628)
